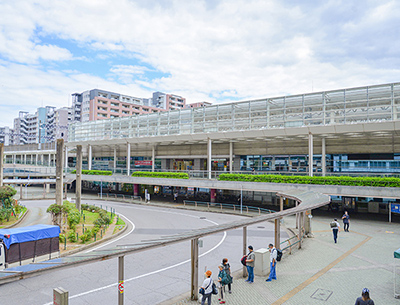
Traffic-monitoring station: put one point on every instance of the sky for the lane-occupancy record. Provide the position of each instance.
(203, 50)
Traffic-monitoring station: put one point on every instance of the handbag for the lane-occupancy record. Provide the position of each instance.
(203, 291)
(214, 289)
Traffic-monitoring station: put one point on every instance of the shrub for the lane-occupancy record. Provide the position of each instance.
(72, 236)
(170, 175)
(73, 218)
(61, 237)
(7, 192)
(86, 236)
(94, 172)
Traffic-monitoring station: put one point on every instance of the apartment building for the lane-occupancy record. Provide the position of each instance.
(6, 135)
(93, 105)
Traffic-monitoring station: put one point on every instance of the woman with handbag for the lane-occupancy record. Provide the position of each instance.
(207, 288)
(227, 268)
(222, 280)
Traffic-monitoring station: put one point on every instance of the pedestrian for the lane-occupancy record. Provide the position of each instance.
(253, 171)
(227, 268)
(148, 197)
(335, 229)
(346, 221)
(175, 196)
(272, 263)
(222, 280)
(364, 299)
(207, 286)
(250, 265)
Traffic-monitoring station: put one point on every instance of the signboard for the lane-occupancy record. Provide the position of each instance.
(143, 163)
(395, 208)
(121, 286)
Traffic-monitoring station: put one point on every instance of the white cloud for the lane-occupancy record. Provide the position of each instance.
(205, 50)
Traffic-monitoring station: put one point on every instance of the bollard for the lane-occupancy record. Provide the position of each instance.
(101, 233)
(77, 236)
(84, 218)
(65, 243)
(95, 236)
(60, 296)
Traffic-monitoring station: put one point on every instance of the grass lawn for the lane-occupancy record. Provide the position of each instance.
(13, 219)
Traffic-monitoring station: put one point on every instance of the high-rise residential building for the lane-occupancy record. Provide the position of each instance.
(44, 126)
(96, 104)
(6, 135)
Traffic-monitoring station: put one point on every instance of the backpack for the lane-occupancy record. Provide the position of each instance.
(279, 255)
(333, 224)
(243, 260)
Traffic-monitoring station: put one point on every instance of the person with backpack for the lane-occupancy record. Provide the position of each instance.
(250, 265)
(272, 259)
(207, 288)
(346, 221)
(364, 299)
(223, 280)
(227, 268)
(335, 229)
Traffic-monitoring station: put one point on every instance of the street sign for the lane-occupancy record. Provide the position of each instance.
(395, 208)
(121, 287)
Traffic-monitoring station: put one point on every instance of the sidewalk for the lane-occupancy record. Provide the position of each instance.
(323, 272)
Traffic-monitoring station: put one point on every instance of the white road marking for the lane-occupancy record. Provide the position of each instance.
(153, 272)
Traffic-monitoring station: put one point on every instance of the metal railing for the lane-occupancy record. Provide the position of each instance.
(227, 206)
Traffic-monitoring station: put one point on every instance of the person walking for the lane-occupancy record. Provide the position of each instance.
(222, 280)
(335, 229)
(250, 265)
(207, 286)
(227, 268)
(364, 299)
(272, 260)
(175, 196)
(346, 221)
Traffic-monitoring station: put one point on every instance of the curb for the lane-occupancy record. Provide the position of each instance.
(18, 221)
(98, 242)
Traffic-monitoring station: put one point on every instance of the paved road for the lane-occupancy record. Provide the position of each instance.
(152, 276)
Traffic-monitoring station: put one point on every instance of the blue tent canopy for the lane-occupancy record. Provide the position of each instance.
(31, 233)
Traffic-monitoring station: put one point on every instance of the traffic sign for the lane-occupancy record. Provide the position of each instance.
(121, 287)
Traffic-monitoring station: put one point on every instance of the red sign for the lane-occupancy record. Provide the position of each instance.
(121, 287)
(143, 162)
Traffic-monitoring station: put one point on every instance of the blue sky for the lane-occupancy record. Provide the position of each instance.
(213, 51)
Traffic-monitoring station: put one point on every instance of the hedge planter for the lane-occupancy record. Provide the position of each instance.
(343, 180)
(169, 175)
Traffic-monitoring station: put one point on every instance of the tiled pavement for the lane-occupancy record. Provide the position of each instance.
(323, 272)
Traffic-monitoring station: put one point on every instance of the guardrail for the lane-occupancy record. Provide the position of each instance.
(117, 196)
(228, 206)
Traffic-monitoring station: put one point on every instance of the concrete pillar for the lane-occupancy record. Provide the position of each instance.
(36, 159)
(230, 157)
(307, 223)
(164, 164)
(277, 233)
(209, 149)
(236, 164)
(194, 269)
(65, 190)
(323, 158)
(297, 216)
(310, 155)
(136, 189)
(48, 188)
(49, 160)
(153, 158)
(89, 157)
(1, 163)
(115, 158)
(78, 188)
(14, 157)
(244, 249)
(196, 165)
(301, 217)
(128, 158)
(213, 195)
(280, 203)
(20, 191)
(41, 159)
(59, 174)
(66, 157)
(24, 158)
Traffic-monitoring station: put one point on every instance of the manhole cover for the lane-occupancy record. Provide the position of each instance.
(261, 227)
(203, 217)
(321, 294)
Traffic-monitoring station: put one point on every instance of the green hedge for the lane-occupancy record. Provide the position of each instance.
(94, 172)
(161, 175)
(7, 192)
(329, 180)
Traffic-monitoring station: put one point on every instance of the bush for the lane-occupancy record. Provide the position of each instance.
(94, 172)
(61, 237)
(170, 175)
(343, 180)
(7, 192)
(74, 217)
(54, 209)
(72, 236)
(86, 236)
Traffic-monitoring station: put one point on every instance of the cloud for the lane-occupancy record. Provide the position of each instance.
(203, 50)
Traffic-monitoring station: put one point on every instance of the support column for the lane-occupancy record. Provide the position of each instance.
(297, 216)
(213, 195)
(120, 280)
(20, 191)
(301, 217)
(49, 160)
(307, 223)
(244, 249)
(1, 163)
(209, 149)
(281, 203)
(277, 233)
(66, 157)
(47, 188)
(194, 268)
(89, 157)
(310, 155)
(323, 158)
(115, 159)
(153, 158)
(78, 188)
(136, 189)
(41, 159)
(230, 157)
(25, 159)
(59, 174)
(128, 158)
